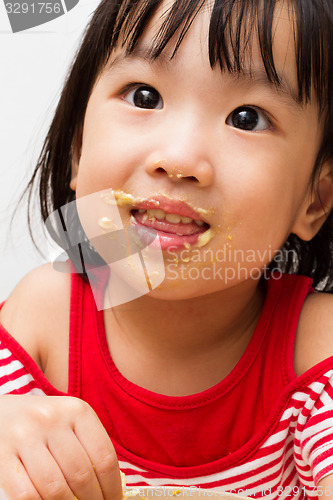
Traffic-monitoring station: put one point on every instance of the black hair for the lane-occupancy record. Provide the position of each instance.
(232, 25)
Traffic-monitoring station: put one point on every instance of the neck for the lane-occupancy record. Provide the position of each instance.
(157, 343)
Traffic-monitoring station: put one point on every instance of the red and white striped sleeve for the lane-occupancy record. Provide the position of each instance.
(15, 376)
(314, 432)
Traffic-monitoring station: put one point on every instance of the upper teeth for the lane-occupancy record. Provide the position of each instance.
(156, 213)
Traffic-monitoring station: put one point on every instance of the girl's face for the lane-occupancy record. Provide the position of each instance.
(235, 148)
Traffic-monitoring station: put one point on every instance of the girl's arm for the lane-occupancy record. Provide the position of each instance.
(314, 344)
(325, 488)
(51, 447)
(314, 339)
(36, 314)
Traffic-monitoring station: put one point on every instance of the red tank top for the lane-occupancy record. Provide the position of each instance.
(148, 428)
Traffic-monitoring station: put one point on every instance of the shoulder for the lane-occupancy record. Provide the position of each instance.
(314, 337)
(37, 311)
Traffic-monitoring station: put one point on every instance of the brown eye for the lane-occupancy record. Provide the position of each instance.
(248, 118)
(144, 97)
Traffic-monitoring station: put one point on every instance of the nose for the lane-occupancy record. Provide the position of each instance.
(182, 153)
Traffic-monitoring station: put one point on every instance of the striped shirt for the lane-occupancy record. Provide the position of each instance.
(282, 451)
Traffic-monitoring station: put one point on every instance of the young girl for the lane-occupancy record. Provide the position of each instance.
(207, 128)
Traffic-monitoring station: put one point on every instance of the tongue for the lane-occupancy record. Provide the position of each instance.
(179, 229)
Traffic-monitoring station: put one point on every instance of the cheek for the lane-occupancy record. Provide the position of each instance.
(262, 198)
(105, 161)
(259, 188)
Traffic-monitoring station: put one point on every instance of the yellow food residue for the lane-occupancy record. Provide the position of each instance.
(135, 493)
(128, 493)
(106, 223)
(205, 238)
(121, 198)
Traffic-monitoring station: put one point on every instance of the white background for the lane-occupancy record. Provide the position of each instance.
(33, 65)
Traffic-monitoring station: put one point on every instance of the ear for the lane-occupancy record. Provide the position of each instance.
(316, 207)
(76, 155)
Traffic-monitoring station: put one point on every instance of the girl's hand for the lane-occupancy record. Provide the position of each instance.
(55, 448)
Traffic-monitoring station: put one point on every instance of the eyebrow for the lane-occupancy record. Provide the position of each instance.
(247, 78)
(282, 87)
(142, 52)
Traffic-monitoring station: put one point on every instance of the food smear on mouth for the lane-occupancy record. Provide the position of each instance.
(205, 238)
(169, 223)
(120, 198)
(174, 229)
(171, 228)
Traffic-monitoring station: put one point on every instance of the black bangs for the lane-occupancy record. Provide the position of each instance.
(234, 24)
(134, 17)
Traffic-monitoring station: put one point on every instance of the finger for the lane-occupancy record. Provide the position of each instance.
(75, 465)
(102, 454)
(45, 473)
(15, 482)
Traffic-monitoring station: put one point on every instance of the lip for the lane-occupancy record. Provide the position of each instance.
(153, 234)
(170, 206)
(160, 239)
(168, 239)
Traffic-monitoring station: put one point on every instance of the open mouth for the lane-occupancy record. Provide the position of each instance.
(165, 222)
(172, 229)
(168, 222)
